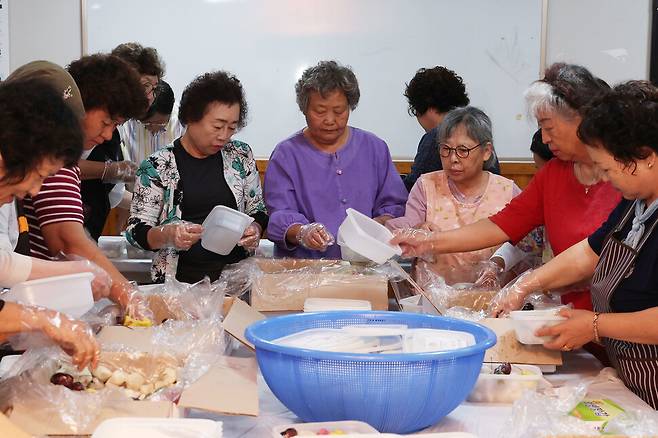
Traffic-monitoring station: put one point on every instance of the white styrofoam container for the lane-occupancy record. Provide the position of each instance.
(326, 304)
(159, 428)
(527, 322)
(349, 427)
(113, 247)
(70, 294)
(367, 237)
(504, 388)
(223, 228)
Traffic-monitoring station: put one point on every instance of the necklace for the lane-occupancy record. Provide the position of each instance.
(588, 177)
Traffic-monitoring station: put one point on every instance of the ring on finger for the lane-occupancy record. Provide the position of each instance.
(566, 347)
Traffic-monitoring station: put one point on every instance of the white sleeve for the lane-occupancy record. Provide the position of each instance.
(8, 227)
(14, 268)
(510, 254)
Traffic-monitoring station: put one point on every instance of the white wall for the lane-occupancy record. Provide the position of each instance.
(611, 37)
(43, 29)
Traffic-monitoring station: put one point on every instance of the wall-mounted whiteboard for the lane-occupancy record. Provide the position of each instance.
(493, 45)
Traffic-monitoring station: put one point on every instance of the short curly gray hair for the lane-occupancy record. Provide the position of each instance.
(324, 78)
(477, 125)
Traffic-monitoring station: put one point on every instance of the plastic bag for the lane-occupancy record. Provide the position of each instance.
(547, 413)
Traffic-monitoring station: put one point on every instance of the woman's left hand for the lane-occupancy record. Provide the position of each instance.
(573, 333)
(251, 237)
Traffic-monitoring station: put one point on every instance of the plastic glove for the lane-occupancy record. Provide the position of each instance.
(415, 242)
(489, 274)
(251, 237)
(511, 297)
(315, 236)
(73, 336)
(119, 171)
(179, 235)
(101, 283)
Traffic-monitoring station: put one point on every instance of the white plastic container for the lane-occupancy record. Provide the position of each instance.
(367, 237)
(504, 388)
(326, 304)
(7, 363)
(70, 294)
(113, 247)
(348, 427)
(527, 322)
(158, 428)
(223, 228)
(426, 340)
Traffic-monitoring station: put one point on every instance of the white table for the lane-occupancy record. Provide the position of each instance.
(481, 419)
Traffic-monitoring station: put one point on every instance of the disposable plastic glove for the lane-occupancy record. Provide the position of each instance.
(511, 297)
(119, 171)
(73, 336)
(179, 235)
(251, 237)
(415, 242)
(101, 283)
(489, 274)
(315, 236)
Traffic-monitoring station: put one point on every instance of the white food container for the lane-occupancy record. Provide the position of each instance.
(158, 428)
(504, 388)
(327, 304)
(70, 294)
(7, 363)
(223, 228)
(349, 427)
(527, 322)
(366, 237)
(113, 247)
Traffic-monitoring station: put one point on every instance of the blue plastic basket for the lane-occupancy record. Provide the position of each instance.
(397, 393)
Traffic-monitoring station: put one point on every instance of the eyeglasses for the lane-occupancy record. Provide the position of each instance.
(150, 88)
(461, 150)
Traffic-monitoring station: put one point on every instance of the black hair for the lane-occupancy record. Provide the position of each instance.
(624, 121)
(110, 83)
(144, 59)
(539, 147)
(573, 84)
(439, 88)
(218, 86)
(36, 125)
(164, 101)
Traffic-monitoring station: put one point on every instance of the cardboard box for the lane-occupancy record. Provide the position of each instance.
(284, 284)
(228, 387)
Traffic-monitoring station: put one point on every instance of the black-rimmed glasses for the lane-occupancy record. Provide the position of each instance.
(461, 150)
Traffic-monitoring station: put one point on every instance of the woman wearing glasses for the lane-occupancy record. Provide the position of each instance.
(568, 195)
(464, 192)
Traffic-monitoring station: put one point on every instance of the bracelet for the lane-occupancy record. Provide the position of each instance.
(2, 305)
(595, 324)
(105, 169)
(298, 236)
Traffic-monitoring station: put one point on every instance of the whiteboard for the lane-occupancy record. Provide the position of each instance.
(493, 45)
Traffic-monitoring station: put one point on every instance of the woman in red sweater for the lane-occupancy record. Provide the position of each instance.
(567, 195)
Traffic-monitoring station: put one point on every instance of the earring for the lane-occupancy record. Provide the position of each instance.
(650, 165)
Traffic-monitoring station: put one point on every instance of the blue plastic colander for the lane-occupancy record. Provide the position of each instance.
(396, 393)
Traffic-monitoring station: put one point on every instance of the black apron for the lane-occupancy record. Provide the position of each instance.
(23, 243)
(636, 364)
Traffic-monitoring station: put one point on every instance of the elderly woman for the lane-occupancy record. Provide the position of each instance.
(39, 135)
(464, 192)
(317, 173)
(621, 257)
(179, 185)
(568, 195)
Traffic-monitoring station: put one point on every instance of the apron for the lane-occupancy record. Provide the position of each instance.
(23, 242)
(637, 364)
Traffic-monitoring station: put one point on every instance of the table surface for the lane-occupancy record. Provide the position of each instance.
(480, 419)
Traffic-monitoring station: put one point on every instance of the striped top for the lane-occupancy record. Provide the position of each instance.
(58, 201)
(140, 142)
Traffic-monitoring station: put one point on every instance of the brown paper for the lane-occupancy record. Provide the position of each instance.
(239, 317)
(279, 290)
(229, 387)
(508, 349)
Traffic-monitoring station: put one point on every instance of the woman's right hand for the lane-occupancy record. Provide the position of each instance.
(73, 336)
(179, 235)
(315, 236)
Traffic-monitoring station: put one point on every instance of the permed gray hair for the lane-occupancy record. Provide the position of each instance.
(324, 78)
(477, 125)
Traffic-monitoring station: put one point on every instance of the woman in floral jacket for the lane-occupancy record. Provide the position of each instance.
(178, 186)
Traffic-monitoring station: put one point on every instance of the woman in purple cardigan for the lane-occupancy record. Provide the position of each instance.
(314, 175)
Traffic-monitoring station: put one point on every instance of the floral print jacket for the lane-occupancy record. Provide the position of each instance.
(158, 195)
